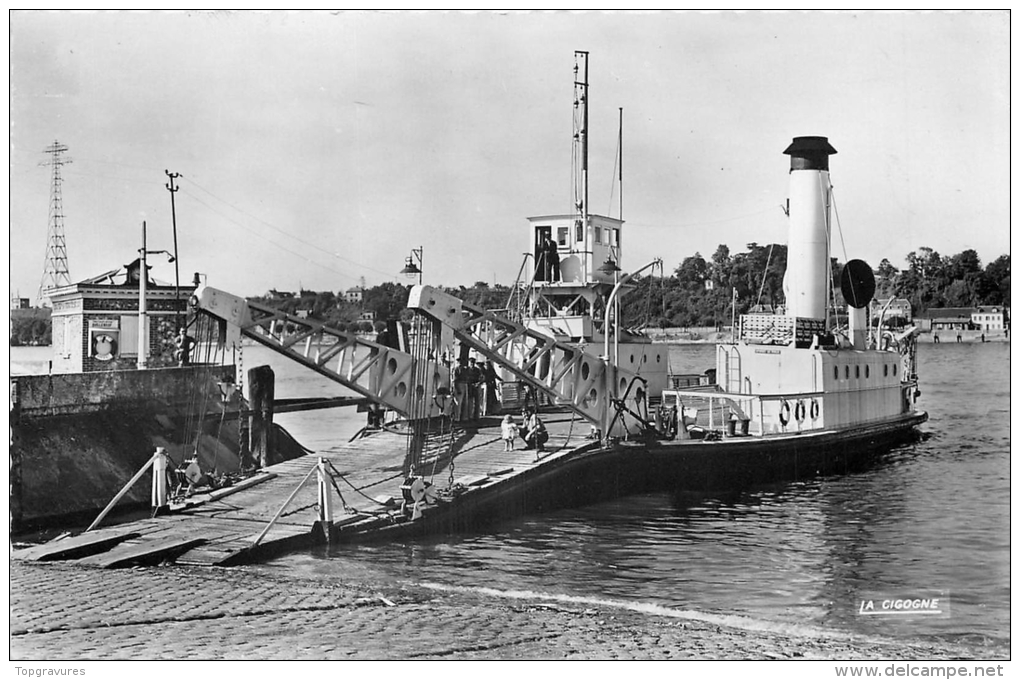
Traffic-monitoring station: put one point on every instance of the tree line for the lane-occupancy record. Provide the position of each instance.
(697, 293)
(709, 292)
(700, 292)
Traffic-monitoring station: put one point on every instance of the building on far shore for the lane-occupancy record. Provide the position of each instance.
(95, 321)
(354, 295)
(991, 318)
(986, 319)
(894, 308)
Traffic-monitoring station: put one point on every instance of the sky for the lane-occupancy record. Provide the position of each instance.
(316, 150)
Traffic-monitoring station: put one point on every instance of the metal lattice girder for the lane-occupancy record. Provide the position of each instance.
(570, 375)
(385, 375)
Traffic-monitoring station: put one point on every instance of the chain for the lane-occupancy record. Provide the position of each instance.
(240, 404)
(240, 370)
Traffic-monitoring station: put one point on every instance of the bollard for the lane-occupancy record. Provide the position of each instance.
(325, 499)
(261, 389)
(159, 485)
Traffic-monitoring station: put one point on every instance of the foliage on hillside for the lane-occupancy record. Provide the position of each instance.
(30, 327)
(700, 292)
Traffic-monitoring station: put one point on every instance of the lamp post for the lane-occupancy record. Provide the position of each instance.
(177, 273)
(412, 270)
(143, 277)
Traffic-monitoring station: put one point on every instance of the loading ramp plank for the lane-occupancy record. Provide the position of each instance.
(77, 547)
(144, 552)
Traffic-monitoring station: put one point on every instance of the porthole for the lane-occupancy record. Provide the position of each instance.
(894, 370)
(867, 372)
(886, 371)
(644, 359)
(835, 372)
(658, 358)
(846, 372)
(632, 358)
(857, 372)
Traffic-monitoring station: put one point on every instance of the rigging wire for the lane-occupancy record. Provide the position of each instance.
(282, 231)
(839, 227)
(612, 186)
(303, 257)
(765, 275)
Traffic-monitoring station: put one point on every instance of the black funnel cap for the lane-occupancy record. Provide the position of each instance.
(809, 153)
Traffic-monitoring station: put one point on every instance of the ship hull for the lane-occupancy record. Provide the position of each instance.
(594, 474)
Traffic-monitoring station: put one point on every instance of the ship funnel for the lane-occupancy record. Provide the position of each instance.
(807, 258)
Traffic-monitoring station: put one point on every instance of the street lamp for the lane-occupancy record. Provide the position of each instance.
(143, 276)
(609, 267)
(412, 270)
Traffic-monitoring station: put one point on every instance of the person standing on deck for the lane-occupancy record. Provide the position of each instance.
(552, 260)
(508, 431)
(461, 391)
(489, 390)
(473, 379)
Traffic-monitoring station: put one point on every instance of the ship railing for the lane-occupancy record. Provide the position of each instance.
(732, 412)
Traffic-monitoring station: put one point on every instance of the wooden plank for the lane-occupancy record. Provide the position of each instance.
(473, 480)
(76, 547)
(217, 494)
(145, 552)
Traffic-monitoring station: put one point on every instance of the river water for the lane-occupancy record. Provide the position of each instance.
(931, 517)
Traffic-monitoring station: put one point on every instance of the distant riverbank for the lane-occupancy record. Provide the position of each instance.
(709, 335)
(692, 335)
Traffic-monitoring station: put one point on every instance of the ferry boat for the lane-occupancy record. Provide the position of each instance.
(793, 395)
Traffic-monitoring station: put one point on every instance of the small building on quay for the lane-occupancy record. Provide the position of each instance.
(95, 321)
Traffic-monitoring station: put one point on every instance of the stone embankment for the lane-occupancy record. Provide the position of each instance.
(61, 611)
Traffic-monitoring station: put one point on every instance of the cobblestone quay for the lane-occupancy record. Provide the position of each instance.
(75, 612)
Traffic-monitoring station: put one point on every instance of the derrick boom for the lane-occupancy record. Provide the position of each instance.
(569, 374)
(412, 387)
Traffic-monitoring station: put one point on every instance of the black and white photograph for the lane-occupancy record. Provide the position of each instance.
(506, 335)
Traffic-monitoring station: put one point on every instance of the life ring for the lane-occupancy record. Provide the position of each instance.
(784, 413)
(799, 410)
(814, 409)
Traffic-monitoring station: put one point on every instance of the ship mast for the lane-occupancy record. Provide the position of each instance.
(581, 140)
